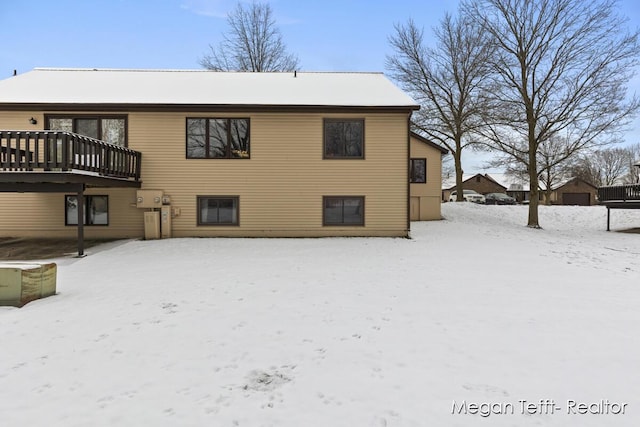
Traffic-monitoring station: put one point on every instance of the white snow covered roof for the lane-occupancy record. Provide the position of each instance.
(201, 87)
(514, 183)
(450, 181)
(510, 182)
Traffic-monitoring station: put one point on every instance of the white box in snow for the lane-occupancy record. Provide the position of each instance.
(22, 282)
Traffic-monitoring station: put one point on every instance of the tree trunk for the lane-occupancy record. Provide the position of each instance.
(533, 205)
(457, 157)
(534, 192)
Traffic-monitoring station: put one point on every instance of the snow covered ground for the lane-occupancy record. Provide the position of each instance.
(474, 310)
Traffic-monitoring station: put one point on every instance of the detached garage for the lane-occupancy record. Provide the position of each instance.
(580, 199)
(575, 192)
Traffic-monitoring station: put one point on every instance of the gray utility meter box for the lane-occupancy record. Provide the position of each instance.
(149, 199)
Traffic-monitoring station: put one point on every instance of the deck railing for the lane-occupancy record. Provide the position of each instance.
(619, 193)
(66, 151)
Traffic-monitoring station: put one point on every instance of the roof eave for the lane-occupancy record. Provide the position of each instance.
(429, 142)
(70, 106)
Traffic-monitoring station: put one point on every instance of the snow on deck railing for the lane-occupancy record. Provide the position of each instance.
(58, 150)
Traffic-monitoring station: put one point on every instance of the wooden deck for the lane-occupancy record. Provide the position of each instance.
(66, 151)
(63, 162)
(619, 197)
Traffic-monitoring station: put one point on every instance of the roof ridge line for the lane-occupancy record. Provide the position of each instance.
(188, 70)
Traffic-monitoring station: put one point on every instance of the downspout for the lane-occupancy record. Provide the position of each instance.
(408, 178)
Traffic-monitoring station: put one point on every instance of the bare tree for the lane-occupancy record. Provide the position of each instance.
(560, 74)
(253, 43)
(603, 167)
(448, 168)
(587, 170)
(445, 81)
(552, 159)
(633, 175)
(614, 164)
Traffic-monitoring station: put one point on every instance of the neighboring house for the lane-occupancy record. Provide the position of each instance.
(517, 187)
(231, 154)
(520, 192)
(574, 191)
(482, 183)
(425, 172)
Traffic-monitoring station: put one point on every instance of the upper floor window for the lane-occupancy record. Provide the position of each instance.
(343, 139)
(218, 139)
(111, 129)
(418, 171)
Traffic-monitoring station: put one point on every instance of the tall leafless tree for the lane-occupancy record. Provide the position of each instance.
(560, 73)
(633, 176)
(253, 43)
(553, 157)
(604, 167)
(448, 168)
(553, 161)
(444, 80)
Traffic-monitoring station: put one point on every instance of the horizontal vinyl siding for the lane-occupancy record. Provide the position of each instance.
(280, 187)
(430, 192)
(43, 215)
(19, 120)
(282, 184)
(30, 213)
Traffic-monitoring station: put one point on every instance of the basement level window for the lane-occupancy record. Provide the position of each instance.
(343, 210)
(96, 210)
(218, 210)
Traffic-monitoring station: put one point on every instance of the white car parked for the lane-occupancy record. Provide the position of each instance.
(469, 196)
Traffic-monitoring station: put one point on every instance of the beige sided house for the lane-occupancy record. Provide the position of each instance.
(574, 191)
(481, 183)
(425, 171)
(111, 153)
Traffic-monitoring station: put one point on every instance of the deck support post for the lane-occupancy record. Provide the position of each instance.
(608, 218)
(80, 209)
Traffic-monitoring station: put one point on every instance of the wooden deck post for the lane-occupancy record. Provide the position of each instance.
(80, 210)
(608, 217)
